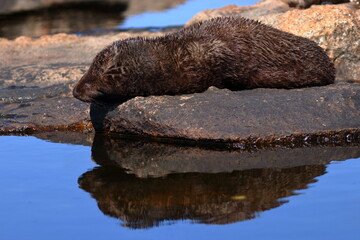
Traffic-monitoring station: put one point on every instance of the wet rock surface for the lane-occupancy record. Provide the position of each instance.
(44, 115)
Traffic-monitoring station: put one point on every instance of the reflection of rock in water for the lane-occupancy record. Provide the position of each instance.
(72, 18)
(141, 6)
(219, 198)
(75, 138)
(36, 18)
(148, 158)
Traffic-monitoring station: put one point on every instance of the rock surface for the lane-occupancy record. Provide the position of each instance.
(51, 59)
(44, 115)
(223, 115)
(336, 28)
(261, 8)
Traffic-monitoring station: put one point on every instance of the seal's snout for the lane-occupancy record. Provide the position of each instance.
(76, 93)
(85, 92)
(79, 92)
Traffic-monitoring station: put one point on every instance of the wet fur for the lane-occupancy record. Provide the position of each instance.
(227, 52)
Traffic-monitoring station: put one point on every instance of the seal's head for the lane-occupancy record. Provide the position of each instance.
(107, 77)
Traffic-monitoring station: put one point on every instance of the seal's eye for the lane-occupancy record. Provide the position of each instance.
(111, 70)
(115, 70)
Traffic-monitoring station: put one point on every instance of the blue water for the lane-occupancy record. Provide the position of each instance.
(178, 15)
(41, 199)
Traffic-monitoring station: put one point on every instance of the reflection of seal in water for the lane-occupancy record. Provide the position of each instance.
(219, 198)
(233, 53)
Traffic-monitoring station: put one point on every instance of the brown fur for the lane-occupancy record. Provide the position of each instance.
(233, 53)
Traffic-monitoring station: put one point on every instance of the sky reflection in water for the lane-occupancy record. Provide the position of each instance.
(179, 15)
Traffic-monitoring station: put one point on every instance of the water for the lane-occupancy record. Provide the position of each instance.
(93, 18)
(147, 190)
(179, 15)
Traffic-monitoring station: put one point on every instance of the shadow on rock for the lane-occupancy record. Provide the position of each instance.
(98, 113)
(148, 184)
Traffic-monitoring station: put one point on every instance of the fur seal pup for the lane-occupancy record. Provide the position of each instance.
(225, 52)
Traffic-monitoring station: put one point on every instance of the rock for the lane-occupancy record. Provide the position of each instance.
(223, 115)
(336, 28)
(308, 3)
(23, 93)
(44, 115)
(49, 60)
(259, 9)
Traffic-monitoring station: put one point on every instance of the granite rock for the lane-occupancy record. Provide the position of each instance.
(336, 28)
(258, 9)
(58, 113)
(51, 59)
(223, 115)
